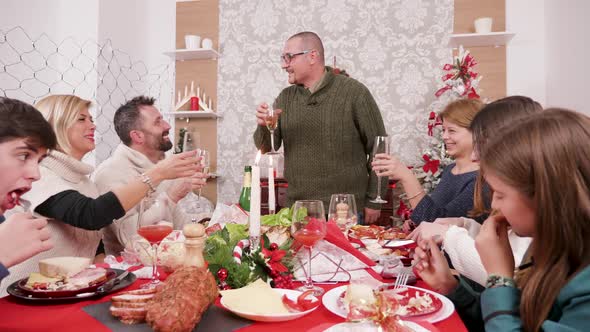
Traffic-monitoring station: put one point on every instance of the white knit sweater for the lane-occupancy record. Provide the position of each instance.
(59, 172)
(459, 244)
(123, 165)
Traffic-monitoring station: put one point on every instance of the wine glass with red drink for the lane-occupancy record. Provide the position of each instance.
(154, 223)
(308, 227)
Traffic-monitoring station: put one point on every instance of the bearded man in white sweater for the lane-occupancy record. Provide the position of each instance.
(145, 139)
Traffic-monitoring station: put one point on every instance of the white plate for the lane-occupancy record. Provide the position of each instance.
(369, 327)
(291, 294)
(330, 301)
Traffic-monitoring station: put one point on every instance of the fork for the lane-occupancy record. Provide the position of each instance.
(400, 282)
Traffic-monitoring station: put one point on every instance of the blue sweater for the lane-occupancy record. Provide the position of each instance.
(453, 197)
(570, 311)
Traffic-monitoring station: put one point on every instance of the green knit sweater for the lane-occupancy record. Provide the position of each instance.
(328, 136)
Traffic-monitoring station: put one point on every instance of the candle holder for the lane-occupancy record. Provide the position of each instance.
(254, 242)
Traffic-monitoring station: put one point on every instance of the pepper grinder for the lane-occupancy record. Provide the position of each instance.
(194, 244)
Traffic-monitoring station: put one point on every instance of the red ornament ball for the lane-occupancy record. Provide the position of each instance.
(222, 274)
(274, 246)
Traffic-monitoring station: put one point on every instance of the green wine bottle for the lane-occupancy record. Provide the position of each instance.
(246, 189)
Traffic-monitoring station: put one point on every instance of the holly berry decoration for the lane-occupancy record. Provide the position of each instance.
(222, 274)
(283, 281)
(274, 246)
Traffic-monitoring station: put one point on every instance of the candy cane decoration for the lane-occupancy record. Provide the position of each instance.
(237, 253)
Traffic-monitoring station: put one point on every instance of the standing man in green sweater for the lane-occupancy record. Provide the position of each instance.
(328, 123)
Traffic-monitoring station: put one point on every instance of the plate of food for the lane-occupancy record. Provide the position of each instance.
(414, 303)
(404, 326)
(68, 278)
(266, 304)
(376, 232)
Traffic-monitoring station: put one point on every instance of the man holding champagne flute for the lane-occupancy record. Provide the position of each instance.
(145, 138)
(327, 123)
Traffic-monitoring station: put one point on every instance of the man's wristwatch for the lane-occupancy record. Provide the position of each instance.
(499, 281)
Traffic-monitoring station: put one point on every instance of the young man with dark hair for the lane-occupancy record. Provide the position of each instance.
(25, 137)
(145, 138)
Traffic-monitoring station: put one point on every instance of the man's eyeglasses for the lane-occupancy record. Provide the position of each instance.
(287, 57)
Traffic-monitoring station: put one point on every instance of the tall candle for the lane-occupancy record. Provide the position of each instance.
(271, 186)
(255, 199)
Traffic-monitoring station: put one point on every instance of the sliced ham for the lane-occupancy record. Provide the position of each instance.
(130, 307)
(87, 277)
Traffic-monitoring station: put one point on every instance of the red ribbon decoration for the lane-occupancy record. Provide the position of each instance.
(430, 165)
(461, 70)
(403, 211)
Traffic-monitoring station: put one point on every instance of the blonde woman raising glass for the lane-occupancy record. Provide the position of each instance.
(67, 196)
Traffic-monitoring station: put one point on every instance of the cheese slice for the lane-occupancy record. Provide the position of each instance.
(38, 278)
(359, 293)
(256, 298)
(63, 266)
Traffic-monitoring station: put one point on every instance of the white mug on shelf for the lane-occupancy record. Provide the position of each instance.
(207, 43)
(192, 42)
(483, 25)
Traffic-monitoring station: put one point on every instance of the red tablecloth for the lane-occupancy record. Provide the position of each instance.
(16, 315)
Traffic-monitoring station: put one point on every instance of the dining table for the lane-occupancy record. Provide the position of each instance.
(22, 315)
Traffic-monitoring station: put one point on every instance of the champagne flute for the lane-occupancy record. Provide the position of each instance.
(343, 211)
(308, 227)
(153, 224)
(206, 163)
(190, 203)
(272, 121)
(381, 145)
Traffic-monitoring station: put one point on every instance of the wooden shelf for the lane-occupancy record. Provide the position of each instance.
(192, 114)
(196, 54)
(480, 39)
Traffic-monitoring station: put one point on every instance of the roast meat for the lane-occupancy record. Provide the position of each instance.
(179, 304)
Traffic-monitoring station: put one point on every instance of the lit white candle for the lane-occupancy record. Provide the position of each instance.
(255, 199)
(271, 186)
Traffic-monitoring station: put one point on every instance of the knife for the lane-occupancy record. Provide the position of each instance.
(107, 286)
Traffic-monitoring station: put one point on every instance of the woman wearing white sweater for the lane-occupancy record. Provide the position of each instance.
(457, 234)
(67, 196)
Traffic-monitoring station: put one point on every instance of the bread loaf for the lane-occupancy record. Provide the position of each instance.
(57, 267)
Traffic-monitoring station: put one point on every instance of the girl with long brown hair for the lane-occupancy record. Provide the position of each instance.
(539, 171)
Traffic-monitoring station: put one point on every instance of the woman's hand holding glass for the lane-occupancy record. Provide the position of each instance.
(388, 165)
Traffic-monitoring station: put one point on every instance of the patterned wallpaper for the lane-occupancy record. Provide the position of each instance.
(395, 47)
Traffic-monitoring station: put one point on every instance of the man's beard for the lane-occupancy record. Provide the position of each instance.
(160, 143)
(164, 145)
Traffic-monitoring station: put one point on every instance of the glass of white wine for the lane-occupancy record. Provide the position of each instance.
(206, 163)
(381, 145)
(272, 121)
